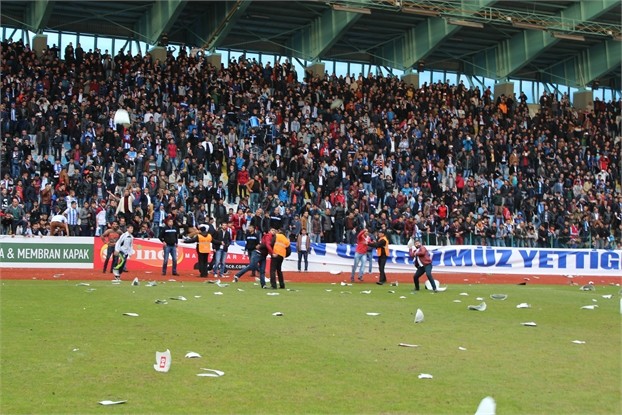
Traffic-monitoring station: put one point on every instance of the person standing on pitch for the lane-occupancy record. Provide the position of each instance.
(110, 237)
(204, 247)
(423, 262)
(279, 252)
(257, 256)
(360, 255)
(123, 249)
(169, 236)
(303, 246)
(382, 245)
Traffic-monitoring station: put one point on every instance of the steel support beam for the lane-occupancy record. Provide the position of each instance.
(38, 14)
(312, 41)
(420, 41)
(513, 54)
(159, 19)
(586, 66)
(210, 29)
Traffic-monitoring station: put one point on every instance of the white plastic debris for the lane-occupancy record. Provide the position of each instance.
(578, 341)
(163, 361)
(529, 324)
(486, 407)
(131, 314)
(180, 298)
(277, 314)
(408, 345)
(425, 376)
(108, 402)
(479, 307)
(462, 348)
(523, 305)
(419, 316)
(135, 281)
(192, 355)
(373, 314)
(589, 307)
(498, 296)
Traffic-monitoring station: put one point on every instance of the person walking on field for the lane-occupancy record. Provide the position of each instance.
(423, 262)
(123, 249)
(382, 245)
(110, 237)
(204, 247)
(360, 255)
(279, 252)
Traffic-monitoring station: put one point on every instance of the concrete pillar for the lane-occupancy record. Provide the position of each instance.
(411, 79)
(39, 43)
(214, 59)
(504, 88)
(158, 52)
(583, 100)
(317, 69)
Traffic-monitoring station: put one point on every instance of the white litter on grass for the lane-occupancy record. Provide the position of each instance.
(192, 355)
(272, 294)
(462, 348)
(425, 376)
(180, 298)
(486, 407)
(408, 345)
(346, 292)
(607, 296)
(395, 284)
(391, 292)
(588, 287)
(163, 361)
(457, 301)
(221, 285)
(216, 372)
(523, 305)
(419, 316)
(131, 314)
(277, 314)
(197, 296)
(373, 314)
(498, 296)
(529, 324)
(479, 298)
(107, 402)
(589, 307)
(402, 297)
(75, 350)
(578, 341)
(366, 292)
(217, 293)
(328, 291)
(343, 284)
(90, 290)
(116, 282)
(135, 281)
(158, 301)
(208, 375)
(151, 284)
(83, 284)
(240, 290)
(428, 286)
(333, 272)
(479, 307)
(465, 294)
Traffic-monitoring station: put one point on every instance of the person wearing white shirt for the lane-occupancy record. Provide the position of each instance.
(59, 222)
(123, 249)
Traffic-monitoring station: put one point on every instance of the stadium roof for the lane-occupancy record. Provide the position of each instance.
(569, 42)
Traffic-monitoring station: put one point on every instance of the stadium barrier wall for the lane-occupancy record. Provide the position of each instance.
(88, 253)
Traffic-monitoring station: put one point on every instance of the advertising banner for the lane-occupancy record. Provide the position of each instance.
(149, 256)
(46, 252)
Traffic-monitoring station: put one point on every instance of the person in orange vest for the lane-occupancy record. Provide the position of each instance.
(382, 245)
(279, 252)
(204, 248)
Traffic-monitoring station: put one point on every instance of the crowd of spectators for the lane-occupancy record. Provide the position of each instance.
(248, 143)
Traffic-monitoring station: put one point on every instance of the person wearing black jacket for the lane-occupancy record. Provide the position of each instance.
(220, 244)
(169, 236)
